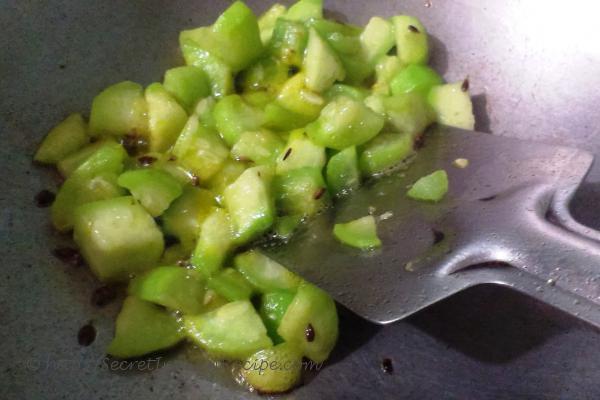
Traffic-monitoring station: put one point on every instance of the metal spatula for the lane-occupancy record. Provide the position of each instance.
(504, 221)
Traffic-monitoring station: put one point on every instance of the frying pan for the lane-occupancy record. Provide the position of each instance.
(534, 67)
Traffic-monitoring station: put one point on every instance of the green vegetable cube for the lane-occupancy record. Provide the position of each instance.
(70, 163)
(300, 152)
(186, 214)
(214, 243)
(411, 40)
(273, 306)
(173, 287)
(452, 105)
(187, 85)
(311, 323)
(384, 152)
(118, 110)
(63, 140)
(360, 233)
(261, 147)
(117, 237)
(342, 172)
(229, 173)
(301, 192)
(321, 64)
(288, 41)
(230, 284)
(233, 117)
(304, 10)
(415, 78)
(432, 187)
(408, 113)
(266, 22)
(232, 332)
(298, 98)
(264, 273)
(143, 328)
(273, 370)
(153, 188)
(343, 123)
(249, 203)
(377, 39)
(220, 75)
(166, 117)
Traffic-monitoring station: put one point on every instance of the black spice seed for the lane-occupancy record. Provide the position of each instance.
(309, 333)
(287, 153)
(133, 143)
(86, 335)
(319, 193)
(44, 198)
(387, 366)
(413, 29)
(438, 236)
(465, 85)
(144, 161)
(489, 198)
(62, 66)
(103, 296)
(170, 240)
(68, 255)
(293, 70)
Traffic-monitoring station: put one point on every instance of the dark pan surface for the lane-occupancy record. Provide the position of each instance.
(534, 67)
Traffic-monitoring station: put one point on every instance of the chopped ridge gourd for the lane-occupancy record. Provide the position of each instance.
(173, 287)
(232, 332)
(343, 123)
(360, 233)
(273, 370)
(452, 105)
(268, 122)
(143, 328)
(118, 110)
(432, 187)
(153, 188)
(63, 140)
(117, 237)
(311, 323)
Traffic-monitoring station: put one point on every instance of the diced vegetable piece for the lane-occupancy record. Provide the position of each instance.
(339, 89)
(408, 113)
(286, 225)
(219, 74)
(343, 123)
(432, 187)
(153, 188)
(234, 38)
(384, 152)
(289, 41)
(229, 173)
(214, 243)
(173, 287)
(233, 331)
(95, 179)
(411, 40)
(301, 192)
(321, 64)
(230, 284)
(303, 10)
(118, 110)
(415, 78)
(67, 165)
(267, 74)
(300, 152)
(296, 97)
(342, 173)
(360, 233)
(452, 106)
(273, 306)
(166, 117)
(233, 117)
(385, 70)
(187, 85)
(311, 323)
(213, 300)
(266, 22)
(377, 38)
(63, 140)
(117, 238)
(280, 118)
(273, 370)
(186, 214)
(175, 254)
(143, 328)
(200, 150)
(261, 147)
(168, 163)
(264, 273)
(249, 203)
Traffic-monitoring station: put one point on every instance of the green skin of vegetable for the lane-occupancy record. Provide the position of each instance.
(415, 78)
(231, 284)
(63, 140)
(384, 152)
(154, 189)
(273, 306)
(173, 287)
(301, 192)
(342, 172)
(288, 41)
(432, 187)
(214, 243)
(262, 147)
(166, 117)
(143, 328)
(265, 274)
(233, 117)
(187, 85)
